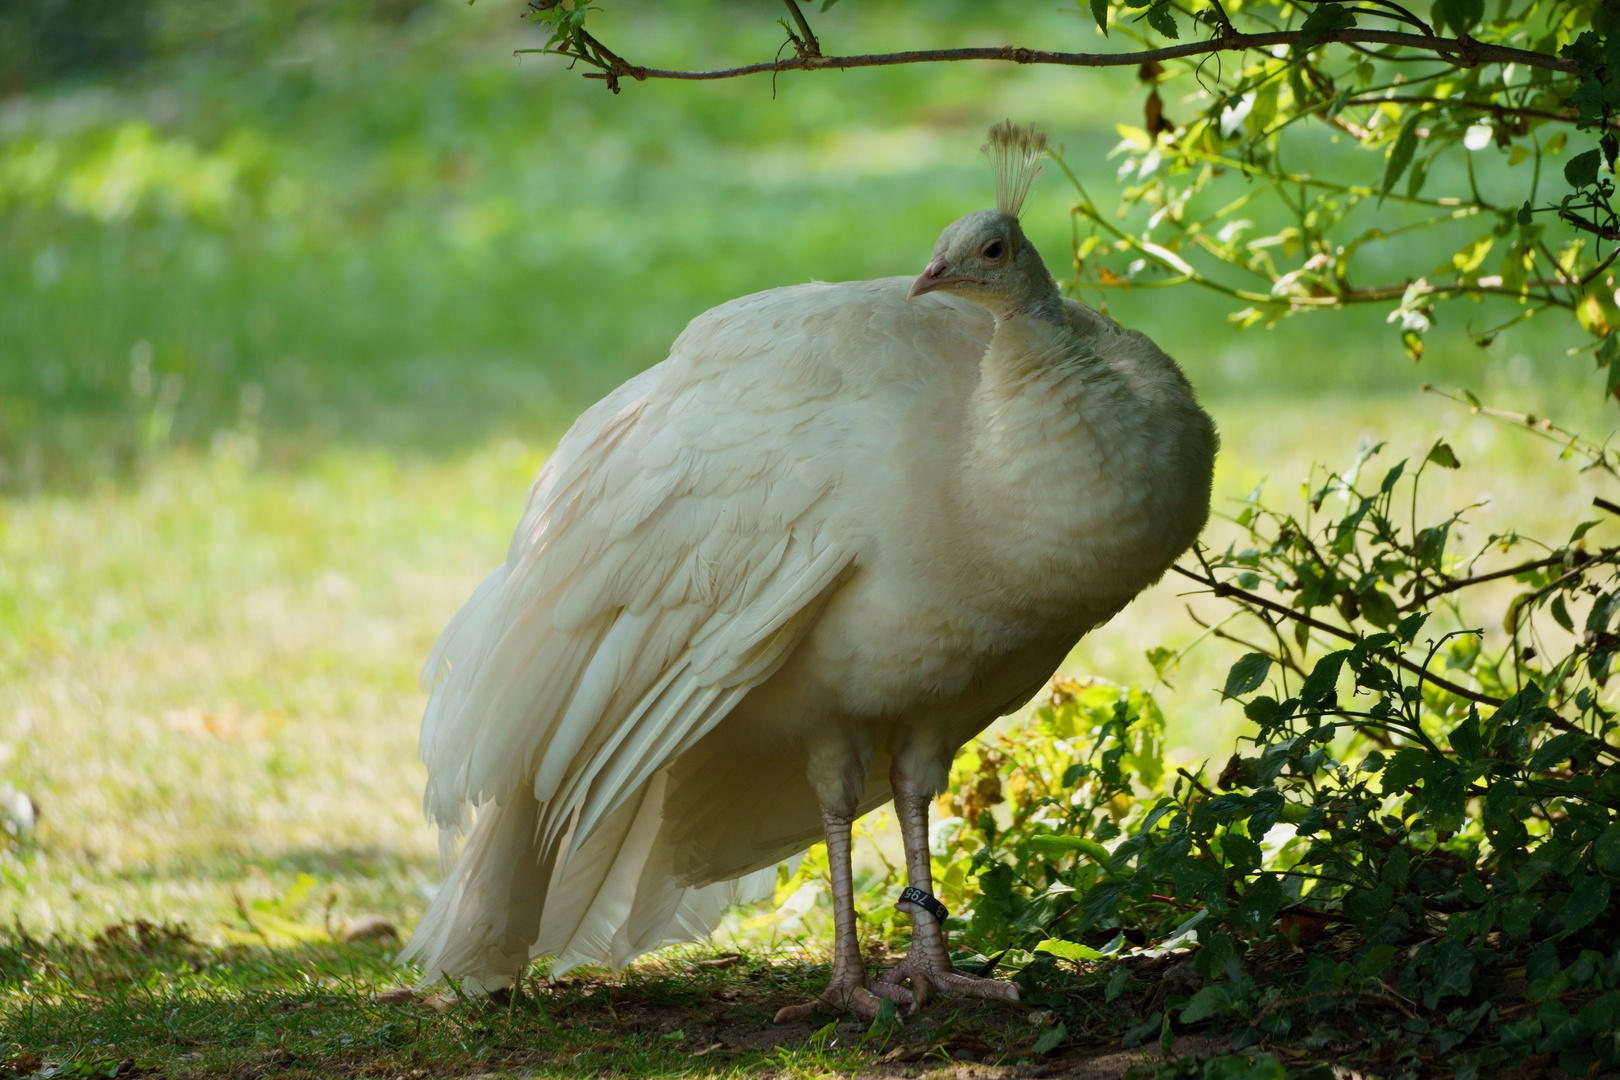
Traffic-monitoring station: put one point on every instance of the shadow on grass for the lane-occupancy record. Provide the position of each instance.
(141, 999)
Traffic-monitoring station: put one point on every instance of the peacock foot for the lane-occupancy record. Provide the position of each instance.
(853, 993)
(928, 969)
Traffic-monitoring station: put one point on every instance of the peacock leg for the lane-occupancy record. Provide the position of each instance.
(850, 988)
(927, 965)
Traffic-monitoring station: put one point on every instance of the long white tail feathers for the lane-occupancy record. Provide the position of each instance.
(506, 902)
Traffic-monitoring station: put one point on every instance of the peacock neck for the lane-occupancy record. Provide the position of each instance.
(1038, 410)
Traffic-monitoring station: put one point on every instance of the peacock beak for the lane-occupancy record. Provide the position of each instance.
(936, 276)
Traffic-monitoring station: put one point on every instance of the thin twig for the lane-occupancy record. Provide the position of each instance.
(1463, 583)
(1196, 783)
(809, 46)
(1357, 992)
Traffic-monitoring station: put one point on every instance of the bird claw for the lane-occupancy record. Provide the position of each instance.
(862, 999)
(930, 975)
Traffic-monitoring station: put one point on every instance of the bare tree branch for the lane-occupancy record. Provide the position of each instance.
(1464, 52)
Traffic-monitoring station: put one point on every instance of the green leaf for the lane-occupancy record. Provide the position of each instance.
(1376, 960)
(1238, 1067)
(1400, 155)
(1068, 950)
(1062, 845)
(1212, 999)
(1244, 854)
(1404, 769)
(1558, 1028)
(1557, 750)
(1324, 19)
(1466, 741)
(1588, 900)
(1323, 677)
(1116, 984)
(1162, 18)
(1460, 15)
(1408, 627)
(1378, 609)
(1260, 903)
(1582, 169)
(1524, 213)
(1560, 614)
(1246, 675)
(1443, 455)
(1099, 11)
(1051, 1039)
(1453, 974)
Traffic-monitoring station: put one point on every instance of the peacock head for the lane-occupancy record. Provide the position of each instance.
(985, 257)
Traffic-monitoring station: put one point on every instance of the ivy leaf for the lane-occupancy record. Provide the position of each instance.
(1161, 18)
(1246, 675)
(1558, 1028)
(1099, 11)
(1400, 155)
(1453, 974)
(1582, 169)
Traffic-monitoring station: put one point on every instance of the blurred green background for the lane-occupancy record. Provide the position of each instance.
(294, 296)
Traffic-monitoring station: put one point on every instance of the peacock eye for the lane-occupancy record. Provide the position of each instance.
(993, 249)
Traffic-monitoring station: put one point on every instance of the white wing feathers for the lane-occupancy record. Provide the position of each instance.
(673, 550)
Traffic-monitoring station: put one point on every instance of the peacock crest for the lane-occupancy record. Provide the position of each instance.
(1015, 156)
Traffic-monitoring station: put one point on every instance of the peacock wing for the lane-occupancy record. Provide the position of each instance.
(673, 550)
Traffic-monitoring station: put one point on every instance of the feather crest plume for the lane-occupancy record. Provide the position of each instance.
(1015, 156)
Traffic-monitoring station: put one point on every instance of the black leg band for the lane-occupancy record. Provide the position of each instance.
(926, 901)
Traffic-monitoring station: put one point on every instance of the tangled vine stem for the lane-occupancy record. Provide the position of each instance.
(1464, 52)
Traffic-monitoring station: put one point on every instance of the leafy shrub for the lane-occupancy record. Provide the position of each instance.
(1440, 799)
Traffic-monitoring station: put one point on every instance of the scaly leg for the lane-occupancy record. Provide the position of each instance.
(928, 962)
(850, 988)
